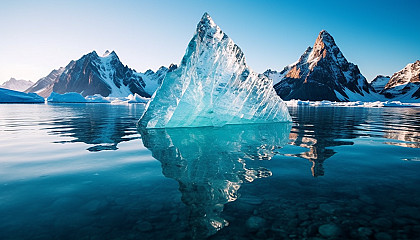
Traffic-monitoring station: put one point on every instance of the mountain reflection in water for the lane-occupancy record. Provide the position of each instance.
(210, 164)
(103, 126)
(321, 129)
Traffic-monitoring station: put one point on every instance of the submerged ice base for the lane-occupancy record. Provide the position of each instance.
(210, 177)
(213, 87)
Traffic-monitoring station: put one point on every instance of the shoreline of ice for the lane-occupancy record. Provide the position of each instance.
(296, 103)
(73, 97)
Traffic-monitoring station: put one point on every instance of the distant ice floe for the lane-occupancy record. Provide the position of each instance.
(73, 97)
(78, 98)
(11, 96)
(70, 97)
(294, 103)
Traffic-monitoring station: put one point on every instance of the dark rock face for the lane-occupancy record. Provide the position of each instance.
(379, 82)
(92, 75)
(322, 73)
(43, 86)
(404, 84)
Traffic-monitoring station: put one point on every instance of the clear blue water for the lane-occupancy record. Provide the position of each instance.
(83, 171)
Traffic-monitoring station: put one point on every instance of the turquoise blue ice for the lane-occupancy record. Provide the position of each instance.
(213, 87)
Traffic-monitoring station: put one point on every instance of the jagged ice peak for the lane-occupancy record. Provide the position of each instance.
(213, 86)
(206, 21)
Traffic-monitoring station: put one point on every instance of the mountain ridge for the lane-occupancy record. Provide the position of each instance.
(105, 75)
(16, 85)
(404, 84)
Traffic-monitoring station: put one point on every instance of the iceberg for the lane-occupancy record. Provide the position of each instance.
(137, 98)
(213, 86)
(70, 97)
(97, 98)
(11, 96)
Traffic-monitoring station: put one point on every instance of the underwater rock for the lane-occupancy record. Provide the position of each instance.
(254, 223)
(382, 236)
(329, 230)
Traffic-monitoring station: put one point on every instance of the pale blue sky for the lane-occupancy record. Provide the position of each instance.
(381, 37)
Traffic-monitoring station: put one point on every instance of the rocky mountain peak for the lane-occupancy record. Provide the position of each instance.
(325, 49)
(106, 53)
(409, 74)
(172, 67)
(325, 38)
(322, 73)
(93, 53)
(17, 85)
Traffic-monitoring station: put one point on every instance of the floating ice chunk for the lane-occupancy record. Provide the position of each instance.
(294, 103)
(97, 98)
(212, 87)
(71, 97)
(137, 98)
(11, 96)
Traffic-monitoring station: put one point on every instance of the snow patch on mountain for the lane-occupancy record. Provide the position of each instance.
(379, 82)
(404, 85)
(107, 70)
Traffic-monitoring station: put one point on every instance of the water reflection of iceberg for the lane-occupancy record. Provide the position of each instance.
(210, 164)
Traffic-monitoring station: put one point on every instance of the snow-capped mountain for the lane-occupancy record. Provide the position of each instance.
(379, 82)
(213, 86)
(405, 84)
(105, 75)
(43, 87)
(17, 85)
(322, 73)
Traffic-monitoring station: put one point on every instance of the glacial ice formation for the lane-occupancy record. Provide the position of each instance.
(11, 96)
(70, 97)
(212, 87)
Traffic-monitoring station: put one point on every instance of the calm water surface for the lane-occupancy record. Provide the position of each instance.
(84, 171)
